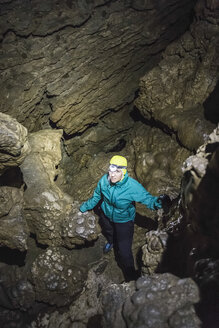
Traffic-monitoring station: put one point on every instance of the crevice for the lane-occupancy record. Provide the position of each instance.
(211, 106)
(137, 116)
(120, 146)
(44, 35)
(67, 136)
(12, 256)
(13, 177)
(39, 245)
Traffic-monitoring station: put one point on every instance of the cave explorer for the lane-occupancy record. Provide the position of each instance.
(118, 193)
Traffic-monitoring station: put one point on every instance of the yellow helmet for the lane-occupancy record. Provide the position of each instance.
(120, 162)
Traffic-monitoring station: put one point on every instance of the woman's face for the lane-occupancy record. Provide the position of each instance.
(115, 176)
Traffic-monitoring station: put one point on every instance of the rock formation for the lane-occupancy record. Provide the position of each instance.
(174, 91)
(70, 100)
(13, 142)
(52, 215)
(72, 62)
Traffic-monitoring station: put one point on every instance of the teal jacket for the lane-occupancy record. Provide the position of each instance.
(118, 199)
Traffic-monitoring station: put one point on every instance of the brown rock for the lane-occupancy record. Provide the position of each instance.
(13, 142)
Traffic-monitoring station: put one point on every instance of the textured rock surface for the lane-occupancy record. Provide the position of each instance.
(76, 65)
(13, 227)
(159, 299)
(56, 279)
(90, 149)
(75, 60)
(87, 310)
(155, 301)
(158, 160)
(51, 214)
(154, 159)
(13, 142)
(200, 187)
(115, 295)
(200, 190)
(174, 91)
(153, 251)
(16, 291)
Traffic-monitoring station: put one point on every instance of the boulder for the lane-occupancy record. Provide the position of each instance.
(162, 301)
(56, 278)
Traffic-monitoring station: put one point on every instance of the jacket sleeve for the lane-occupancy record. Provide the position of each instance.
(141, 195)
(92, 202)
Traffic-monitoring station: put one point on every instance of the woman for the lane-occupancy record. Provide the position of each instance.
(118, 193)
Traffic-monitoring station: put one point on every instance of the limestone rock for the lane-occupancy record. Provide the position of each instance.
(87, 309)
(50, 213)
(200, 207)
(83, 151)
(158, 160)
(162, 301)
(13, 142)
(16, 290)
(173, 92)
(153, 251)
(13, 227)
(115, 295)
(200, 189)
(71, 62)
(56, 279)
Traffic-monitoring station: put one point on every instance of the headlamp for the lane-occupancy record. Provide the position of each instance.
(114, 168)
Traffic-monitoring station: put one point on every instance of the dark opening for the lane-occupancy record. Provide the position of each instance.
(95, 322)
(211, 106)
(120, 145)
(13, 177)
(12, 256)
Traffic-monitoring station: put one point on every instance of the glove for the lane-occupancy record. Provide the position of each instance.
(165, 201)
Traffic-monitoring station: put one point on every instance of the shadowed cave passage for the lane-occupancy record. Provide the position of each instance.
(211, 105)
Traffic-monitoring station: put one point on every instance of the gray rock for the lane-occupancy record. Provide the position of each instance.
(56, 279)
(16, 290)
(153, 250)
(14, 231)
(160, 301)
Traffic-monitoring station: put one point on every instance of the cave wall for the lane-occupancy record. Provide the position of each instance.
(76, 65)
(67, 63)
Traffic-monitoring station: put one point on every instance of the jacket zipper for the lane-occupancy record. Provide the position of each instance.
(112, 202)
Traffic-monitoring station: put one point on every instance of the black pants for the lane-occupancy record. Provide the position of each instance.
(121, 235)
